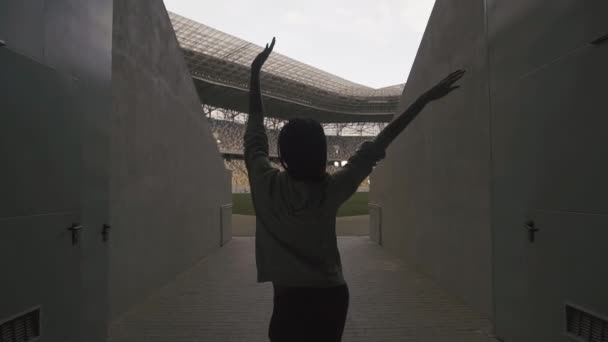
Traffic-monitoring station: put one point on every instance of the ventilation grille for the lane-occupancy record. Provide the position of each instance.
(23, 328)
(585, 326)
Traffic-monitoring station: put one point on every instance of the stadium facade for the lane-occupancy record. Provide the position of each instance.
(220, 67)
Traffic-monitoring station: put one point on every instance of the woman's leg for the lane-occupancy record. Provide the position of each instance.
(308, 314)
(292, 315)
(332, 313)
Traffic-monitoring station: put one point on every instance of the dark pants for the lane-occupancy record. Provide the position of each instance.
(308, 314)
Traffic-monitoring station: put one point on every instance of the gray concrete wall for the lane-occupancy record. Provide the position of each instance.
(434, 186)
(522, 141)
(548, 144)
(168, 179)
(55, 95)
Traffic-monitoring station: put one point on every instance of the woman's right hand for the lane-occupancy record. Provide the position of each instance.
(443, 88)
(261, 58)
(393, 129)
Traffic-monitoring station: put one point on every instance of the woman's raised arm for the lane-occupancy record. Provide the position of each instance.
(255, 139)
(393, 129)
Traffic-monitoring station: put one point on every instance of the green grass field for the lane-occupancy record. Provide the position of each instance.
(356, 205)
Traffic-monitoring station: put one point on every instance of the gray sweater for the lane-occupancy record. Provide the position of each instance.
(296, 241)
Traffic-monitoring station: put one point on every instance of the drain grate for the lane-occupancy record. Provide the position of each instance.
(585, 326)
(23, 328)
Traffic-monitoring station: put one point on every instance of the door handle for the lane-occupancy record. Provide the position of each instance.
(532, 230)
(75, 229)
(105, 232)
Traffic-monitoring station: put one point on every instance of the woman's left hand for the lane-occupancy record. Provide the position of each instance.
(443, 88)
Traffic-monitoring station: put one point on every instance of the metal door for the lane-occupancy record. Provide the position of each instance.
(40, 196)
(549, 167)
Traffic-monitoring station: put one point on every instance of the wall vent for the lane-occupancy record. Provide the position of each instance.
(584, 326)
(22, 328)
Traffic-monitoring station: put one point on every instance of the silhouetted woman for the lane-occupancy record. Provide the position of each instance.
(296, 247)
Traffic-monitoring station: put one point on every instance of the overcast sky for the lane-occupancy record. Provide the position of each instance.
(372, 42)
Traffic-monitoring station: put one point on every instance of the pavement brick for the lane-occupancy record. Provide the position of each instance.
(219, 300)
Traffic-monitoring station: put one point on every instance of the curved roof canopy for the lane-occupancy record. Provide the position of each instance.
(220, 65)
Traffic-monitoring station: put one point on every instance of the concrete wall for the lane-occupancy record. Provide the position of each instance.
(55, 96)
(549, 143)
(522, 141)
(168, 179)
(434, 186)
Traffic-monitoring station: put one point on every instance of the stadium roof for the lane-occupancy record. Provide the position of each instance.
(220, 66)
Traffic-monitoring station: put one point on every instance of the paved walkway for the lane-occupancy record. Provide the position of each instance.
(219, 300)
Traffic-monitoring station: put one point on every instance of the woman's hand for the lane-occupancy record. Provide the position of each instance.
(393, 129)
(259, 61)
(256, 107)
(443, 88)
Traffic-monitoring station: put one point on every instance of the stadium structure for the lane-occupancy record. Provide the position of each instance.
(487, 218)
(220, 67)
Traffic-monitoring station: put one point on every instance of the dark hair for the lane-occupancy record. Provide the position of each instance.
(303, 149)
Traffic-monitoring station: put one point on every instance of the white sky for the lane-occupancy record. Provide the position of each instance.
(372, 42)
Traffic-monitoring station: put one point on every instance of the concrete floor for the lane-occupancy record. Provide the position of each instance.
(244, 225)
(219, 300)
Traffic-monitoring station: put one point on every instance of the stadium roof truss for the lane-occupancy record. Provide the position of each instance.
(220, 66)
